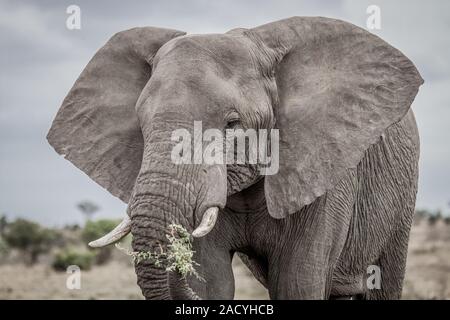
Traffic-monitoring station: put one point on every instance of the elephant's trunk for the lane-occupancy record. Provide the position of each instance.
(152, 280)
(150, 226)
(180, 289)
(167, 192)
(151, 213)
(162, 196)
(155, 282)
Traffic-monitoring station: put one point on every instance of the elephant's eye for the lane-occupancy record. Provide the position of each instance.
(233, 124)
(232, 120)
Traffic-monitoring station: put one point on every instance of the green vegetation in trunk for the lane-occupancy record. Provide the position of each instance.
(177, 258)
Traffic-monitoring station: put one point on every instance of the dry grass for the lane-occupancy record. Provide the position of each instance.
(115, 280)
(428, 266)
(428, 275)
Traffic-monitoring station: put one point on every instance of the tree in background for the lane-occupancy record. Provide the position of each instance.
(432, 217)
(435, 217)
(29, 237)
(88, 209)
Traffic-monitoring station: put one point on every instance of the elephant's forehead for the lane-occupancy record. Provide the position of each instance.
(225, 49)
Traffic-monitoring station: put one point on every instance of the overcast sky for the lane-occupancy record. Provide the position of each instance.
(40, 59)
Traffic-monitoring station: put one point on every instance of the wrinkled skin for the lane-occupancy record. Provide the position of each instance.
(344, 196)
(324, 250)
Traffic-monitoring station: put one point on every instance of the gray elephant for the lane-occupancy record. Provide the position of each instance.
(344, 195)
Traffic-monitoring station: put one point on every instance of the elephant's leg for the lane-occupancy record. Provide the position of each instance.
(392, 263)
(305, 269)
(302, 274)
(309, 243)
(215, 269)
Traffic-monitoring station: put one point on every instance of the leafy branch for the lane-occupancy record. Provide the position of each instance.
(178, 257)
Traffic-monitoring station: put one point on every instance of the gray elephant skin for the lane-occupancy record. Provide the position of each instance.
(343, 198)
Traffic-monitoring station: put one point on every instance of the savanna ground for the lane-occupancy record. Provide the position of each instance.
(427, 277)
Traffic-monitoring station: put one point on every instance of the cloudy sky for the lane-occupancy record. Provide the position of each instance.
(40, 59)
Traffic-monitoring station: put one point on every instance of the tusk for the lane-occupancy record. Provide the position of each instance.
(116, 234)
(208, 221)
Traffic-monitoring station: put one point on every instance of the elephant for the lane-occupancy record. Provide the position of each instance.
(344, 194)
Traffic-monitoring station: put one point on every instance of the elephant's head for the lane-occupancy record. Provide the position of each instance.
(329, 87)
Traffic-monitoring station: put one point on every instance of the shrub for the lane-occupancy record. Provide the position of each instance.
(29, 237)
(447, 220)
(435, 217)
(72, 227)
(4, 248)
(68, 257)
(96, 229)
(3, 224)
(422, 214)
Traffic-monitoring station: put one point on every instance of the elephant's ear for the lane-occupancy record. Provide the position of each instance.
(96, 127)
(339, 88)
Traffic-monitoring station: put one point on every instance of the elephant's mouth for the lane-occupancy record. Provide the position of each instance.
(179, 288)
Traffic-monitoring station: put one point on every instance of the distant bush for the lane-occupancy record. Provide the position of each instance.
(68, 257)
(29, 237)
(97, 229)
(3, 224)
(72, 227)
(447, 220)
(434, 217)
(4, 248)
(422, 213)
